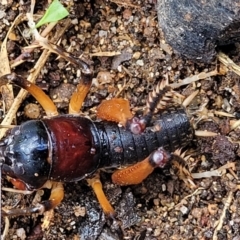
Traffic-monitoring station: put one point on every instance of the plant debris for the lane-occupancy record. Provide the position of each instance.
(129, 56)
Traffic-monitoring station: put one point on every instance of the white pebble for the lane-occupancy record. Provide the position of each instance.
(140, 62)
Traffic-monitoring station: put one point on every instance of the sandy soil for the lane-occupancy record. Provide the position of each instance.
(163, 206)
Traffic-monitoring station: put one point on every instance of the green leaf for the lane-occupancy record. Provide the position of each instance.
(55, 12)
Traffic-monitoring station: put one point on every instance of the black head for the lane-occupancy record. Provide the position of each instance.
(24, 154)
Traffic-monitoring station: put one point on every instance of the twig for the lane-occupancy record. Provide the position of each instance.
(4, 63)
(221, 220)
(216, 173)
(105, 54)
(196, 192)
(225, 60)
(6, 228)
(125, 3)
(16, 190)
(195, 78)
(19, 60)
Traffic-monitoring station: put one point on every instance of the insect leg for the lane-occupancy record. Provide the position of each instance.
(116, 110)
(36, 92)
(136, 173)
(96, 184)
(86, 78)
(79, 95)
(17, 183)
(57, 194)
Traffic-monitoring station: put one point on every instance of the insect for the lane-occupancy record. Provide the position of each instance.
(66, 148)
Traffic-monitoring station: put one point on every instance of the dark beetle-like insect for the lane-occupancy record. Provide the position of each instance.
(71, 147)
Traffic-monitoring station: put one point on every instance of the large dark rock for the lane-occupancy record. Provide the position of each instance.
(195, 28)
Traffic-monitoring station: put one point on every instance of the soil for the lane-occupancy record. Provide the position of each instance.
(163, 206)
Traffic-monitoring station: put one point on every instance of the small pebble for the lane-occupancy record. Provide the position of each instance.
(21, 233)
(184, 210)
(32, 111)
(140, 62)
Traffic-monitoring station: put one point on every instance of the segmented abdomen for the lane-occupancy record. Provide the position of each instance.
(171, 130)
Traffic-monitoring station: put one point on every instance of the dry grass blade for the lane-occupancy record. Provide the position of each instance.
(4, 62)
(195, 78)
(215, 173)
(225, 60)
(16, 190)
(19, 60)
(189, 99)
(201, 133)
(235, 124)
(223, 215)
(125, 3)
(6, 228)
(224, 114)
(105, 54)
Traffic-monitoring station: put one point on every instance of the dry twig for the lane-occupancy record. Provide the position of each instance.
(221, 220)
(225, 60)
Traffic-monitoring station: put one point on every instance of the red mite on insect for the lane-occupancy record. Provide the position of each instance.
(71, 147)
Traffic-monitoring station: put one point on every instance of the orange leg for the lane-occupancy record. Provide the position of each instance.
(18, 184)
(96, 184)
(57, 194)
(116, 110)
(36, 92)
(136, 173)
(56, 197)
(86, 77)
(79, 95)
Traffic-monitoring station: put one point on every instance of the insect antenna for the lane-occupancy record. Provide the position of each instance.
(179, 163)
(158, 100)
